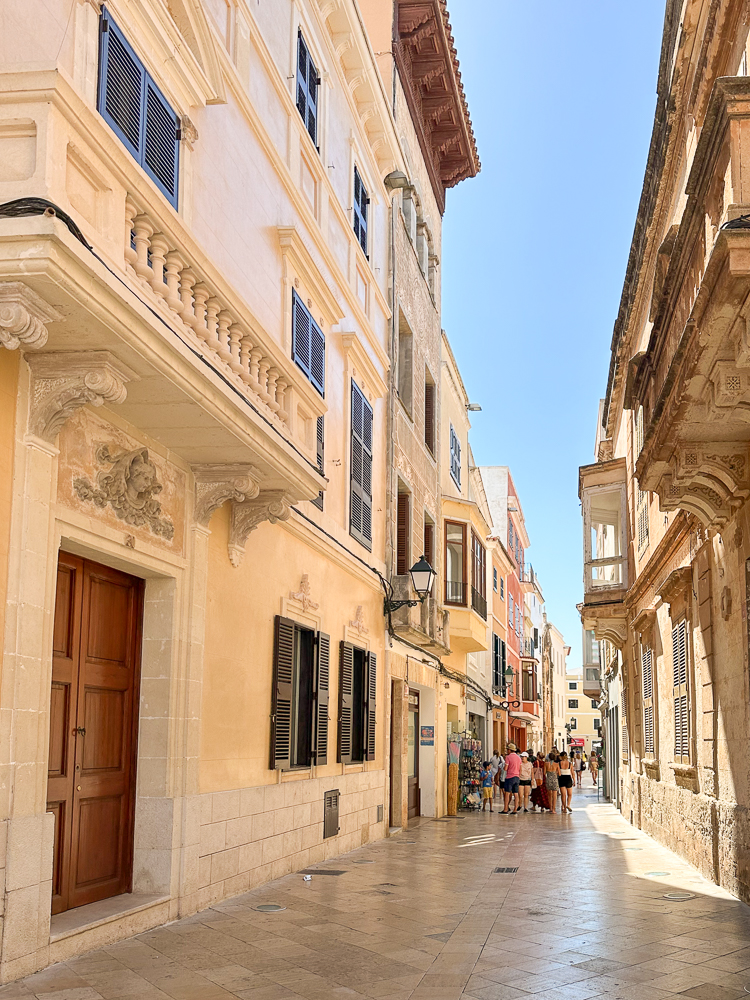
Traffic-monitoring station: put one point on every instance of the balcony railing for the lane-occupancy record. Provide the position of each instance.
(528, 649)
(478, 603)
(187, 296)
(455, 592)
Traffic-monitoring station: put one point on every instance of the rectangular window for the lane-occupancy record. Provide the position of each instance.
(594, 703)
(572, 703)
(137, 111)
(403, 518)
(361, 205)
(494, 579)
(572, 685)
(647, 677)
(405, 365)
(511, 537)
(497, 663)
(360, 510)
(428, 545)
(511, 612)
(357, 690)
(320, 456)
(502, 588)
(308, 344)
(455, 448)
(455, 563)
(429, 413)
(625, 744)
(478, 576)
(308, 82)
(299, 713)
(680, 693)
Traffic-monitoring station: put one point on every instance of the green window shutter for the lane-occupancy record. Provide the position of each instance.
(283, 680)
(346, 701)
(322, 688)
(371, 694)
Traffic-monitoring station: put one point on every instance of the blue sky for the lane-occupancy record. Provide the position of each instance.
(562, 98)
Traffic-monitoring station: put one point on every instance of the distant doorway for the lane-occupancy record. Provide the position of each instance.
(93, 719)
(413, 754)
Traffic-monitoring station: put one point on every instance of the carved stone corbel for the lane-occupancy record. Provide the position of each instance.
(643, 625)
(216, 484)
(23, 316)
(269, 505)
(675, 589)
(64, 382)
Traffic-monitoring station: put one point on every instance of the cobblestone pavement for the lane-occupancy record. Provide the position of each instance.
(424, 916)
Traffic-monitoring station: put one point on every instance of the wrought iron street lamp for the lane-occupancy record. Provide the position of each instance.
(422, 579)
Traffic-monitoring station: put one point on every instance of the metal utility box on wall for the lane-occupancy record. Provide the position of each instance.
(331, 813)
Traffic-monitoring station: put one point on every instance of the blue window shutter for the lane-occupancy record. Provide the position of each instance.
(122, 82)
(308, 344)
(317, 358)
(307, 88)
(360, 509)
(361, 202)
(162, 147)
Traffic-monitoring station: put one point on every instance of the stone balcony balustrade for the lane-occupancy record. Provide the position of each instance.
(212, 327)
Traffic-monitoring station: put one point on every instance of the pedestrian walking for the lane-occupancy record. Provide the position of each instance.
(495, 762)
(524, 781)
(487, 779)
(578, 768)
(539, 795)
(512, 773)
(551, 780)
(594, 768)
(565, 780)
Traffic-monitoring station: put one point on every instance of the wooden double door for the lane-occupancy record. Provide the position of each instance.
(93, 723)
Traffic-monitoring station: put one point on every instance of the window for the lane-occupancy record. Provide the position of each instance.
(429, 412)
(594, 703)
(502, 589)
(455, 562)
(572, 685)
(511, 612)
(680, 693)
(572, 703)
(405, 360)
(357, 704)
(320, 456)
(647, 678)
(403, 518)
(299, 713)
(605, 541)
(625, 744)
(308, 344)
(308, 82)
(499, 663)
(455, 446)
(361, 203)
(428, 544)
(478, 576)
(360, 508)
(137, 111)
(494, 579)
(511, 537)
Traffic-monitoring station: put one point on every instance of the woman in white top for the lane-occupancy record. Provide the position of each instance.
(566, 782)
(524, 781)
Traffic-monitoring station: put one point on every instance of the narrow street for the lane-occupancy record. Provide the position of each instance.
(425, 916)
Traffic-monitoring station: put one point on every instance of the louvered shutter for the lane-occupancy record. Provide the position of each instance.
(283, 680)
(307, 88)
(402, 535)
(648, 701)
(320, 456)
(361, 202)
(308, 344)
(346, 701)
(122, 81)
(429, 416)
(625, 749)
(360, 514)
(680, 692)
(371, 693)
(322, 688)
(161, 147)
(503, 662)
(429, 542)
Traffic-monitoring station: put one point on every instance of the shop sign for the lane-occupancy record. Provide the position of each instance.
(577, 741)
(427, 736)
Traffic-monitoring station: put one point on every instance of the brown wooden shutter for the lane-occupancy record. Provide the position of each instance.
(346, 701)
(371, 693)
(281, 711)
(402, 535)
(322, 687)
(429, 416)
(429, 543)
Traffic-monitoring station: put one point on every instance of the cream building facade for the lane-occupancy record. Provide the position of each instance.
(558, 660)
(194, 450)
(582, 716)
(666, 530)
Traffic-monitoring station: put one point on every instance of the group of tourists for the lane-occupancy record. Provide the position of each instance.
(530, 781)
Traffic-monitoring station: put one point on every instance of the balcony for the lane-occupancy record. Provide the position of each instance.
(427, 625)
(528, 650)
(592, 687)
(478, 603)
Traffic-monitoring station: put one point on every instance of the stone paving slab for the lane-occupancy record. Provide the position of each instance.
(430, 920)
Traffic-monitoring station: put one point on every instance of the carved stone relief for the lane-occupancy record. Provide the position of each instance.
(129, 487)
(304, 595)
(216, 484)
(23, 317)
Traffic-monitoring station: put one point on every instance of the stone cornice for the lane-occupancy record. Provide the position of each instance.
(428, 65)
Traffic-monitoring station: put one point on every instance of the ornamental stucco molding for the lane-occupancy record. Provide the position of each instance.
(63, 382)
(709, 480)
(23, 317)
(217, 484)
(269, 505)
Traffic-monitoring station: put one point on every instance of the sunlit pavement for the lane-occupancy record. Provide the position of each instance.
(424, 915)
